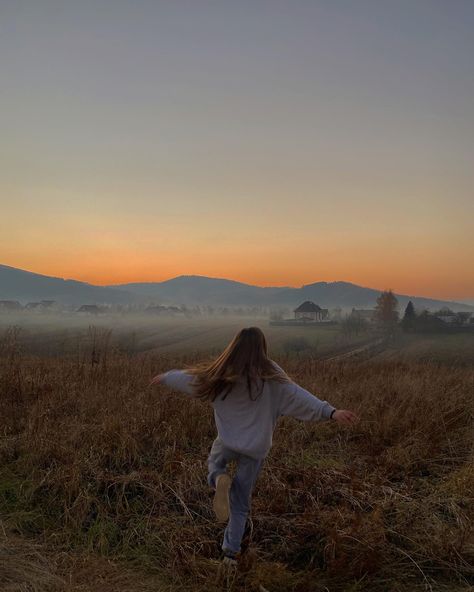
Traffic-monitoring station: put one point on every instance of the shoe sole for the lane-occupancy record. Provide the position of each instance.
(221, 498)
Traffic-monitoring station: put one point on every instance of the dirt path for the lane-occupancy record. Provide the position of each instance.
(371, 348)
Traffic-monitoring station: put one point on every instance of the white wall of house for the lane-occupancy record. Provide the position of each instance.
(312, 316)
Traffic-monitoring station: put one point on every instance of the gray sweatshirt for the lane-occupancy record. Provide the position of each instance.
(247, 425)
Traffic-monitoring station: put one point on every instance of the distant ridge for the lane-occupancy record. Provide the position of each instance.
(18, 284)
(193, 289)
(26, 286)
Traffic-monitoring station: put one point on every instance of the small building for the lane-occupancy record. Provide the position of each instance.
(160, 309)
(49, 305)
(447, 318)
(453, 318)
(156, 309)
(309, 311)
(33, 305)
(89, 309)
(10, 305)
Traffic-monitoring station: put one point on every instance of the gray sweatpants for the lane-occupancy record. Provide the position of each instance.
(240, 491)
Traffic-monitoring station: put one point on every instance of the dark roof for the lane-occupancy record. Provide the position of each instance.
(88, 308)
(308, 306)
(10, 304)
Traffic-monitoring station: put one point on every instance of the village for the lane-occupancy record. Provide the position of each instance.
(307, 314)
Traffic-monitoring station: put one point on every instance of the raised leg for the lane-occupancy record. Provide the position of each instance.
(217, 461)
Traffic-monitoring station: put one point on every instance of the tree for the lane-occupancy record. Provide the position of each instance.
(386, 313)
(409, 318)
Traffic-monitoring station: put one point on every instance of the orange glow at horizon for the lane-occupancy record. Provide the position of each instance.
(129, 269)
(273, 146)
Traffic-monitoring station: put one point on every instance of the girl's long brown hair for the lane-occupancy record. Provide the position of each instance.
(245, 356)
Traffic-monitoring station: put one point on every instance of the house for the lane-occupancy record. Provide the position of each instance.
(90, 309)
(453, 318)
(10, 305)
(166, 310)
(48, 304)
(447, 318)
(366, 314)
(41, 306)
(156, 309)
(309, 311)
(33, 305)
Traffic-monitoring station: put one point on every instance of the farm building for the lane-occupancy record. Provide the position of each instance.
(447, 318)
(309, 311)
(41, 306)
(33, 305)
(453, 318)
(163, 310)
(90, 309)
(10, 305)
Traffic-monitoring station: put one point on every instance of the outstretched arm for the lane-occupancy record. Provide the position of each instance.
(156, 379)
(178, 380)
(345, 417)
(299, 403)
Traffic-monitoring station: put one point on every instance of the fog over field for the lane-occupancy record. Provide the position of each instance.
(72, 333)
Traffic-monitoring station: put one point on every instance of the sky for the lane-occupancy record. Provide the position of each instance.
(270, 142)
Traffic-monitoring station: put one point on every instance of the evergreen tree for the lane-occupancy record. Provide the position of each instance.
(409, 318)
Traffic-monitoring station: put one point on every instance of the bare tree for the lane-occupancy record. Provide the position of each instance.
(386, 313)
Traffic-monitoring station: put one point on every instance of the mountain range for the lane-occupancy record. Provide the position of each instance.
(26, 286)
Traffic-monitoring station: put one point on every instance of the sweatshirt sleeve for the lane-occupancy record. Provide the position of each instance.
(277, 367)
(299, 403)
(178, 380)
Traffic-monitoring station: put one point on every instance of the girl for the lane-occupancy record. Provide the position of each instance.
(248, 392)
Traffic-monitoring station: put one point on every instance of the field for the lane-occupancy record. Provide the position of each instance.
(102, 478)
(52, 335)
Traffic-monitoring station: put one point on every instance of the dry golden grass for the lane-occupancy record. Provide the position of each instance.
(103, 480)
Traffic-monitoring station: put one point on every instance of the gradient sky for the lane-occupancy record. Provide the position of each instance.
(276, 143)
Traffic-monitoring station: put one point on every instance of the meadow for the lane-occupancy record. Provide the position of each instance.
(71, 333)
(103, 478)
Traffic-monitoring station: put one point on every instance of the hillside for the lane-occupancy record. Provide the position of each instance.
(17, 284)
(26, 286)
(203, 290)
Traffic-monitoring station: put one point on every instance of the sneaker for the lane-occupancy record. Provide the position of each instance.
(221, 497)
(229, 561)
(227, 553)
(227, 571)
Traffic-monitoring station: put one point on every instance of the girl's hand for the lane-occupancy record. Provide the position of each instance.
(345, 417)
(157, 379)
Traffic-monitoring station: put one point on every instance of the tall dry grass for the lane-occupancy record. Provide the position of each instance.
(95, 463)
